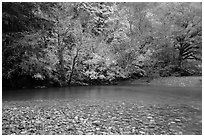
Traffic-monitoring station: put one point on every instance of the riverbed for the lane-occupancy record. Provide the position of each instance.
(120, 109)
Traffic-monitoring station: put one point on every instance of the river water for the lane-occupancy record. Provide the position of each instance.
(142, 93)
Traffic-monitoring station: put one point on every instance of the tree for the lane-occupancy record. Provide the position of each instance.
(188, 38)
(20, 25)
(132, 35)
(66, 36)
(181, 25)
(98, 42)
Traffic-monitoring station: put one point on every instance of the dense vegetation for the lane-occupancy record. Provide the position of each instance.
(59, 44)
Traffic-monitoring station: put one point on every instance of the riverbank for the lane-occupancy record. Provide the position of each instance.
(99, 117)
(192, 81)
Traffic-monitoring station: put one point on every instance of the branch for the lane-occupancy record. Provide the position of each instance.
(189, 48)
(188, 53)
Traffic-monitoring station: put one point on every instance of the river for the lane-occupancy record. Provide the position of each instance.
(143, 93)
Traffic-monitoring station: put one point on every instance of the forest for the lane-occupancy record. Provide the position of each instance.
(95, 43)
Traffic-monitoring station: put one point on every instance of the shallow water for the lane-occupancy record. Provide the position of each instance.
(143, 93)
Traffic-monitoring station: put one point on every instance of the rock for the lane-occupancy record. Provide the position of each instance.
(96, 123)
(179, 133)
(177, 120)
(113, 117)
(151, 126)
(76, 117)
(146, 123)
(81, 119)
(163, 132)
(149, 117)
(172, 122)
(14, 108)
(133, 130)
(104, 133)
(70, 129)
(97, 128)
(141, 132)
(38, 122)
(89, 133)
(80, 133)
(48, 117)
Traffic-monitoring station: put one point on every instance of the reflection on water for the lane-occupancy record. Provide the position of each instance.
(149, 94)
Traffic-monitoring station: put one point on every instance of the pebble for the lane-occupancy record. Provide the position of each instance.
(81, 119)
(141, 132)
(151, 126)
(76, 117)
(172, 122)
(38, 122)
(113, 117)
(80, 133)
(97, 128)
(89, 133)
(108, 120)
(177, 120)
(133, 129)
(96, 123)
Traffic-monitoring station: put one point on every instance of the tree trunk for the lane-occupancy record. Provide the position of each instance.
(180, 56)
(61, 62)
(72, 67)
(179, 65)
(61, 65)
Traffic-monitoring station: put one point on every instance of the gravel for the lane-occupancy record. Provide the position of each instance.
(98, 117)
